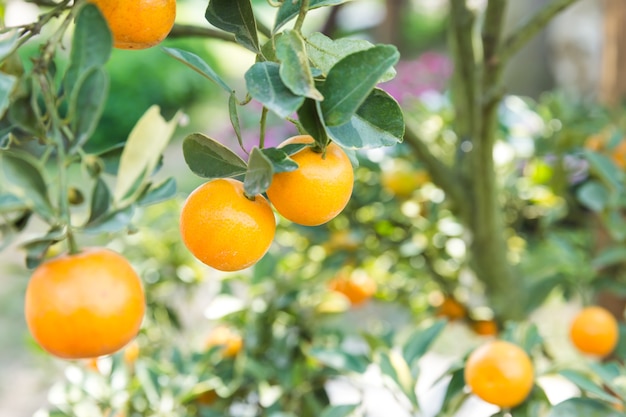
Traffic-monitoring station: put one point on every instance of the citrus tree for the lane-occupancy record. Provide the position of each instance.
(295, 320)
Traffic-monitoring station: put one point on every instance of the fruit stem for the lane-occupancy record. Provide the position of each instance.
(304, 8)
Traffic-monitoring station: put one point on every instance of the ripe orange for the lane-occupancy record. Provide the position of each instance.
(84, 305)
(223, 228)
(500, 373)
(451, 309)
(402, 179)
(226, 337)
(485, 327)
(138, 24)
(131, 352)
(318, 190)
(594, 331)
(358, 288)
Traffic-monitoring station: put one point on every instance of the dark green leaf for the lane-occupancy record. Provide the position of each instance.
(294, 65)
(419, 342)
(290, 9)
(265, 85)
(7, 82)
(10, 202)
(112, 222)
(100, 201)
(87, 102)
(340, 360)
(159, 193)
(339, 410)
(583, 407)
(92, 44)
(259, 174)
(208, 158)
(593, 195)
(455, 386)
(36, 249)
(378, 122)
(237, 17)
(24, 177)
(197, 64)
(279, 158)
(351, 80)
(586, 384)
(309, 118)
(234, 118)
(325, 52)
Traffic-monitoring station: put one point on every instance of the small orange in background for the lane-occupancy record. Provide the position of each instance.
(131, 352)
(451, 309)
(230, 341)
(357, 287)
(223, 228)
(138, 24)
(84, 305)
(500, 373)
(618, 154)
(485, 327)
(402, 179)
(594, 331)
(318, 190)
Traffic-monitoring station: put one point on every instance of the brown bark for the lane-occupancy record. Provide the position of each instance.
(613, 83)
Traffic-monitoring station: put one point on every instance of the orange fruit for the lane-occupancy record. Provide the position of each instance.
(618, 154)
(131, 352)
(223, 228)
(358, 288)
(138, 24)
(402, 179)
(594, 331)
(230, 341)
(500, 373)
(84, 305)
(207, 398)
(318, 190)
(451, 309)
(485, 327)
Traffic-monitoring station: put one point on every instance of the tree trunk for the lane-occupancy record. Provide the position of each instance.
(613, 83)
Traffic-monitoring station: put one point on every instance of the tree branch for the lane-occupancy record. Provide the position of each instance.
(187, 31)
(532, 27)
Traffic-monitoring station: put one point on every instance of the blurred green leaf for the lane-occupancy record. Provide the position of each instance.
(394, 366)
(610, 256)
(593, 195)
(149, 384)
(378, 122)
(87, 102)
(36, 249)
(265, 85)
(7, 44)
(100, 201)
(208, 158)
(237, 17)
(158, 193)
(114, 221)
(586, 384)
(294, 65)
(290, 9)
(351, 80)
(583, 407)
(197, 64)
(325, 52)
(259, 173)
(454, 391)
(25, 178)
(419, 342)
(142, 152)
(92, 44)
(10, 202)
(7, 83)
(339, 410)
(340, 360)
(605, 169)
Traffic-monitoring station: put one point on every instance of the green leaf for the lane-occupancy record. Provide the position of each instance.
(8, 44)
(351, 80)
(259, 174)
(25, 178)
(455, 386)
(309, 118)
(112, 222)
(294, 65)
(7, 82)
(92, 44)
(87, 102)
(291, 8)
(265, 85)
(340, 360)
(419, 342)
(279, 158)
(593, 195)
(197, 64)
(583, 407)
(10, 202)
(142, 152)
(378, 122)
(339, 410)
(234, 118)
(586, 384)
(36, 249)
(604, 169)
(100, 201)
(610, 256)
(208, 158)
(159, 193)
(395, 367)
(325, 52)
(237, 17)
